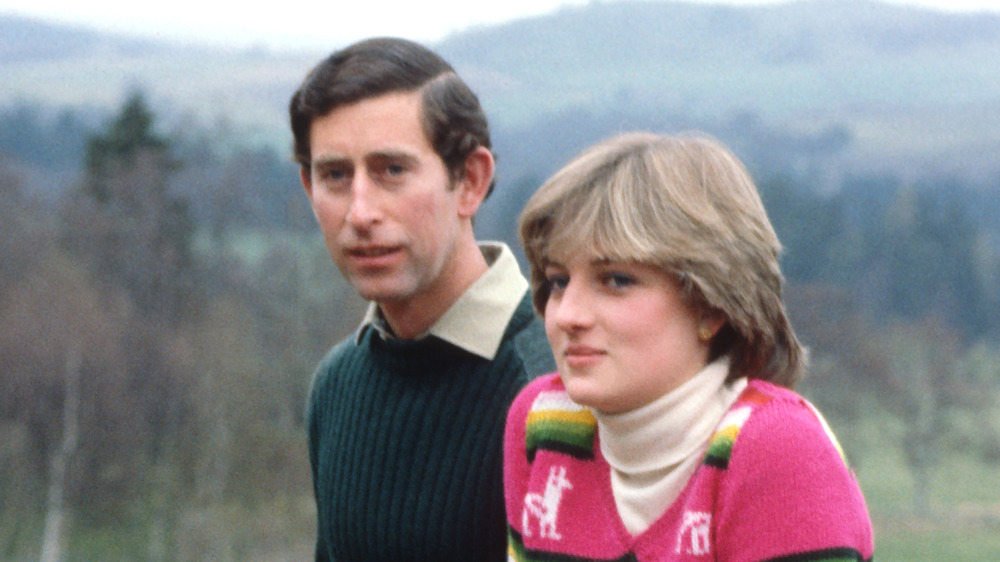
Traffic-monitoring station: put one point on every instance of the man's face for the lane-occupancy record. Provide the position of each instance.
(384, 200)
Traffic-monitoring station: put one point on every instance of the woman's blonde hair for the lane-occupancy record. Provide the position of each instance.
(686, 205)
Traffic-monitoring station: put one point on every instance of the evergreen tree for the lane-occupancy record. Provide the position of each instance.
(137, 232)
(129, 134)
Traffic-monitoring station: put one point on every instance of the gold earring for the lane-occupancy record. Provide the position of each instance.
(704, 332)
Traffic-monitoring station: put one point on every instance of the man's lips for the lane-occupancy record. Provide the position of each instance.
(371, 252)
(372, 256)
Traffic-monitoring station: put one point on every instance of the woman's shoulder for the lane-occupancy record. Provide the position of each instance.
(545, 383)
(784, 479)
(550, 419)
(767, 419)
(546, 388)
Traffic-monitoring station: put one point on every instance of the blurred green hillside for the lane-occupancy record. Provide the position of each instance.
(914, 90)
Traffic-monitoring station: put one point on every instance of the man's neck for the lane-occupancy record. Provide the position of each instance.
(414, 317)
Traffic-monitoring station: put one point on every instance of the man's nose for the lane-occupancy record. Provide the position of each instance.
(365, 210)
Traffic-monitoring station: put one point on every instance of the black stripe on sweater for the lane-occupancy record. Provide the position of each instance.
(828, 555)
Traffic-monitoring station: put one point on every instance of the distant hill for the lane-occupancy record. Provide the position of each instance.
(780, 59)
(244, 90)
(814, 87)
(910, 86)
(25, 40)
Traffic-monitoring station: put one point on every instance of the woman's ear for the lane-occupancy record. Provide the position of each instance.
(709, 325)
(476, 180)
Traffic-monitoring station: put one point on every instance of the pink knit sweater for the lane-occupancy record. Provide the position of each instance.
(773, 485)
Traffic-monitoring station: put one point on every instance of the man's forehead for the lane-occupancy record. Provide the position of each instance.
(381, 126)
(396, 105)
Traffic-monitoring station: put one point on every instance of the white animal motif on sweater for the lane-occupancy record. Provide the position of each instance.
(693, 536)
(545, 507)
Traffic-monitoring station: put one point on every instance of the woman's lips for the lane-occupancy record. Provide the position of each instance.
(582, 355)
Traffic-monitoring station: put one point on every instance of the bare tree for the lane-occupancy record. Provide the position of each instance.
(57, 514)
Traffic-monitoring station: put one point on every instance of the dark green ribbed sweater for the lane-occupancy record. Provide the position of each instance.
(406, 439)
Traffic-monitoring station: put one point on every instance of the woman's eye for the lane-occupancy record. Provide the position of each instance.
(619, 280)
(556, 282)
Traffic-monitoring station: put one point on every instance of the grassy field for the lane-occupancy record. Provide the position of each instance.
(962, 522)
(962, 519)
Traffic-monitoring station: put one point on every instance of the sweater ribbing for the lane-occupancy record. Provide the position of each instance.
(405, 445)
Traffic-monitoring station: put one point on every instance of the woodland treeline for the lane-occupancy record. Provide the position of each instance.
(154, 359)
(163, 301)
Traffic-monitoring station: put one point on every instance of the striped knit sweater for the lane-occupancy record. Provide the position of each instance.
(405, 442)
(773, 485)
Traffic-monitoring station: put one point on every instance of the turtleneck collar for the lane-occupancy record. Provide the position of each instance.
(654, 449)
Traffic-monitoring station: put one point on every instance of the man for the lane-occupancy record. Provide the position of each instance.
(406, 416)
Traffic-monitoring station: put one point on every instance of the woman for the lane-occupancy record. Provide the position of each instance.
(670, 431)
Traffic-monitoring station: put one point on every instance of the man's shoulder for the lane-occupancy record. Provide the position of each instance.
(346, 350)
(526, 336)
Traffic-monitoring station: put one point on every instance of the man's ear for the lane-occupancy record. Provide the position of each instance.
(305, 174)
(479, 168)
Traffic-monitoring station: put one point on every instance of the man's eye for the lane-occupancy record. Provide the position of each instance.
(333, 174)
(389, 170)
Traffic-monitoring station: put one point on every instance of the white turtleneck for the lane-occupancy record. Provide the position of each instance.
(653, 450)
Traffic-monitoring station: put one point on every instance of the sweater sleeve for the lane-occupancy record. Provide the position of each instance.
(314, 407)
(321, 550)
(516, 469)
(788, 493)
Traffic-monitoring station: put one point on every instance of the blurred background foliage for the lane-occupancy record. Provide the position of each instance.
(165, 294)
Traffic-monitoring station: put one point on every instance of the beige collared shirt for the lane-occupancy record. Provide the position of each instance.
(476, 321)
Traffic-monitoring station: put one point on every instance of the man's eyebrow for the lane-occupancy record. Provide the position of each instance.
(393, 155)
(330, 160)
(379, 156)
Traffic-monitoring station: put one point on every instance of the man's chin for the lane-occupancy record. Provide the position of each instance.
(381, 292)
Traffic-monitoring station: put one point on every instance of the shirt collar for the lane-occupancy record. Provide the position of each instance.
(476, 322)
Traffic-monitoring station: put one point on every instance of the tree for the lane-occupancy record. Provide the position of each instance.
(127, 222)
(133, 236)
(928, 246)
(129, 135)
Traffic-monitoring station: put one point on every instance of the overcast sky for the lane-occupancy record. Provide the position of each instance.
(315, 24)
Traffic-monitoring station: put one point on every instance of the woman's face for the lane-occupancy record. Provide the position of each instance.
(622, 333)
